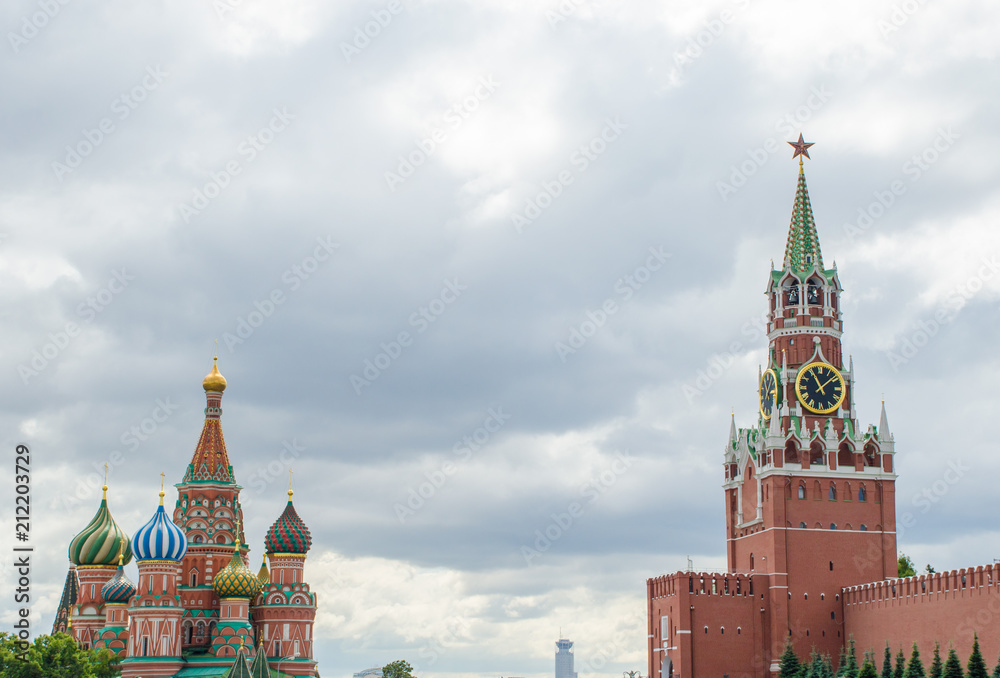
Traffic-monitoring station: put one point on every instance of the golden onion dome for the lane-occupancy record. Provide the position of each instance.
(236, 580)
(214, 381)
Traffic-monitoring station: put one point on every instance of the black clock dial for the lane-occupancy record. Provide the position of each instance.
(820, 388)
(768, 392)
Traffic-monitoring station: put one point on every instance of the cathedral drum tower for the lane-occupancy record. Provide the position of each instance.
(809, 496)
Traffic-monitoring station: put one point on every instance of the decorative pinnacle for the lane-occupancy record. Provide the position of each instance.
(801, 148)
(290, 472)
(121, 553)
(162, 476)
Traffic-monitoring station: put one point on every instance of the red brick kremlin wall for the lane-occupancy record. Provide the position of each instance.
(942, 607)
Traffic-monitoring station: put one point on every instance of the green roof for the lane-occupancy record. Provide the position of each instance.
(802, 252)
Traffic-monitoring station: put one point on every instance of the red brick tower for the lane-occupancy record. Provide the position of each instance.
(207, 509)
(810, 498)
(286, 609)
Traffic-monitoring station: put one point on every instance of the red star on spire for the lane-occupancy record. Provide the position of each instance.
(800, 146)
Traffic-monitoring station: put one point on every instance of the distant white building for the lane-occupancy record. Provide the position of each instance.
(564, 659)
(375, 672)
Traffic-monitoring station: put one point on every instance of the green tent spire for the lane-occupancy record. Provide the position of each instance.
(802, 251)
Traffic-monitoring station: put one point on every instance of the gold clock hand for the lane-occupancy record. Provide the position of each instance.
(818, 385)
(828, 381)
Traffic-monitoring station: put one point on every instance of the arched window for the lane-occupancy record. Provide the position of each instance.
(791, 293)
(864, 528)
(816, 454)
(198, 539)
(862, 493)
(802, 491)
(833, 526)
(844, 456)
(833, 492)
(194, 577)
(706, 629)
(791, 453)
(751, 561)
(871, 458)
(802, 525)
(814, 293)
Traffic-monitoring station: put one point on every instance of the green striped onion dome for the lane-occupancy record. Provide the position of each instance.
(288, 534)
(99, 542)
(236, 580)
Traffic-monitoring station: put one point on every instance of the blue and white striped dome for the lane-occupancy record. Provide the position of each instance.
(159, 539)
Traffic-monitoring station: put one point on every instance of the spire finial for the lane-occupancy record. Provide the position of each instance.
(801, 148)
(290, 472)
(162, 476)
(121, 553)
(105, 488)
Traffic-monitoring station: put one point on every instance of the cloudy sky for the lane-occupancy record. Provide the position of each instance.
(400, 218)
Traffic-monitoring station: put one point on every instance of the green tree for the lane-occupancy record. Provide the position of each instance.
(996, 670)
(397, 669)
(915, 669)
(789, 665)
(887, 663)
(977, 667)
(868, 669)
(850, 666)
(55, 656)
(905, 566)
(936, 667)
(900, 669)
(952, 667)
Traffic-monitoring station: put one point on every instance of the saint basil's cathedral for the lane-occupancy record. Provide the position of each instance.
(197, 610)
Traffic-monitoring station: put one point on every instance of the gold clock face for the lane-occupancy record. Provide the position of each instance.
(768, 393)
(820, 388)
